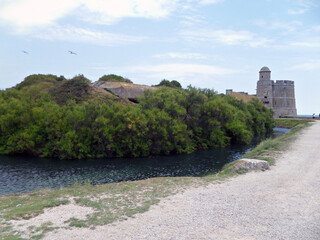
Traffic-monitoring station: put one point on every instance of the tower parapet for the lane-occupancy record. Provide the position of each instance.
(284, 82)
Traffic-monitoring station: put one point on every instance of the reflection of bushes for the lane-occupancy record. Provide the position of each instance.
(165, 121)
(113, 78)
(75, 89)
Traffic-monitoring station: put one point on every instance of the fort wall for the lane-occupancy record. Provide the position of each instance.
(284, 103)
(277, 95)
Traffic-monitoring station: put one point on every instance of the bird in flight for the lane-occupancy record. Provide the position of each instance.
(72, 52)
(25, 52)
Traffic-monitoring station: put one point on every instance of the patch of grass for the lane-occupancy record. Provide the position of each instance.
(111, 202)
(11, 237)
(269, 149)
(42, 230)
(6, 233)
(27, 205)
(38, 236)
(45, 227)
(121, 200)
(74, 222)
(289, 123)
(112, 78)
(242, 171)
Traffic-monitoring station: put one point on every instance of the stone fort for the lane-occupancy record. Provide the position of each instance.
(277, 95)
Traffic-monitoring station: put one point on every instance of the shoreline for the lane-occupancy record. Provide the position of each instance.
(148, 192)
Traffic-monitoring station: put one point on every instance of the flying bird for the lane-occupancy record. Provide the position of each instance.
(72, 52)
(24, 52)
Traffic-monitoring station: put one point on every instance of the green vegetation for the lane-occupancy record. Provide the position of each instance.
(167, 83)
(63, 119)
(110, 202)
(117, 201)
(289, 123)
(268, 149)
(39, 78)
(76, 89)
(113, 78)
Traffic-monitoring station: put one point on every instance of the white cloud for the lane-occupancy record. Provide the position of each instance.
(316, 28)
(207, 2)
(311, 42)
(176, 55)
(191, 20)
(302, 6)
(112, 10)
(227, 37)
(200, 75)
(26, 14)
(288, 26)
(310, 65)
(178, 70)
(72, 34)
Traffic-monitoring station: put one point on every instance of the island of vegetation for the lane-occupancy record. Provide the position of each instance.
(51, 116)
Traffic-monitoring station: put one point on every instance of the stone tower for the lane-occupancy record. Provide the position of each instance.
(279, 95)
(284, 102)
(265, 87)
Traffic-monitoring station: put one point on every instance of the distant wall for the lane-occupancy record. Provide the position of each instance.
(244, 96)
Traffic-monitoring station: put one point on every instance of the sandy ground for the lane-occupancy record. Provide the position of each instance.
(282, 203)
(56, 216)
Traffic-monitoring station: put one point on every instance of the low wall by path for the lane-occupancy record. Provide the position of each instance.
(303, 118)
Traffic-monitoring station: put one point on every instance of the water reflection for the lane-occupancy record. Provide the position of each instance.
(25, 174)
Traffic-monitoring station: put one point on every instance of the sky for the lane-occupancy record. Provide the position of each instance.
(216, 44)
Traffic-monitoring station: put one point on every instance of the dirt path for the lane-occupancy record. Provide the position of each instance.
(283, 203)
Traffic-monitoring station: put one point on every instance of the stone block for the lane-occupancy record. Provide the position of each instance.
(250, 164)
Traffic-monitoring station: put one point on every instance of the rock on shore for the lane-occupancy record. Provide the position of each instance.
(250, 164)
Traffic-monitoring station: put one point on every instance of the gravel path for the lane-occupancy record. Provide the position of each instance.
(283, 203)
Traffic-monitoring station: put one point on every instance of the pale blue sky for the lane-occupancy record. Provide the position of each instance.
(217, 44)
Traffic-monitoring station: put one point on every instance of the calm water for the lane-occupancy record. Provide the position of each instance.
(25, 174)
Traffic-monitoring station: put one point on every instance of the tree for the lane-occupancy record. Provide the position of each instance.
(167, 83)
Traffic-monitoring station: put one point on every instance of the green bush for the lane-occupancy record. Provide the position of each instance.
(167, 121)
(167, 83)
(39, 78)
(113, 78)
(75, 89)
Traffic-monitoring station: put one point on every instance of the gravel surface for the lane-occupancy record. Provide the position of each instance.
(281, 203)
(57, 216)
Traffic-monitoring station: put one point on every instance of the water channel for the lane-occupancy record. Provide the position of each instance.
(26, 174)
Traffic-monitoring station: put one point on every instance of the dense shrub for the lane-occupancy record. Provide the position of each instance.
(39, 78)
(113, 78)
(166, 121)
(167, 83)
(75, 89)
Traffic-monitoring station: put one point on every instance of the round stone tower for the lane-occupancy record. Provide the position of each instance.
(284, 101)
(265, 87)
(265, 74)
